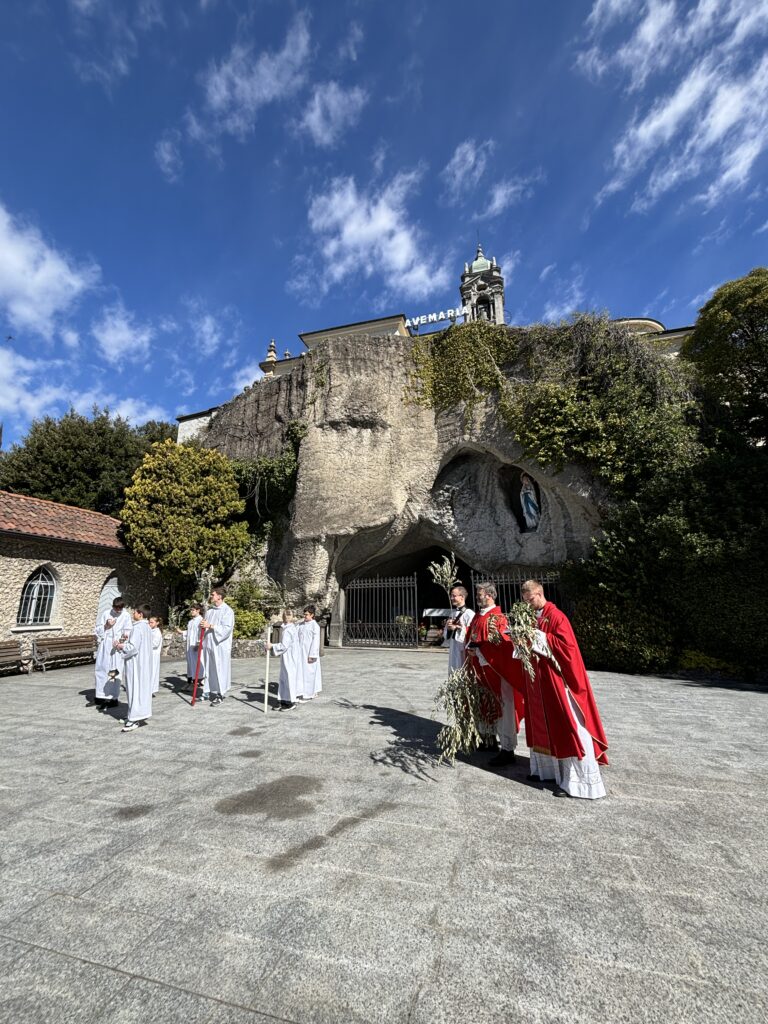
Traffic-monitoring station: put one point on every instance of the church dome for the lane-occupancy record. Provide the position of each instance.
(480, 263)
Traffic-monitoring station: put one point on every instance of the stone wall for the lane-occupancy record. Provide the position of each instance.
(380, 477)
(80, 573)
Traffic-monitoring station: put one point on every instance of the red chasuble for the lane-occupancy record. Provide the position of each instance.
(501, 664)
(550, 727)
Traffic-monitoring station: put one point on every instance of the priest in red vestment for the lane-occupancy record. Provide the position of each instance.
(490, 655)
(562, 725)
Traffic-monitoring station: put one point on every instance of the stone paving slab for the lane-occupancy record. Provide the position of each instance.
(223, 866)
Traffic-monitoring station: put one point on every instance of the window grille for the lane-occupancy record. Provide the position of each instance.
(37, 599)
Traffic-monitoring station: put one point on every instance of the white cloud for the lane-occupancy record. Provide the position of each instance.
(135, 410)
(504, 194)
(25, 389)
(168, 155)
(509, 263)
(70, 338)
(761, 229)
(38, 284)
(547, 271)
(698, 300)
(107, 34)
(465, 168)
(366, 234)
(120, 338)
(242, 83)
(570, 299)
(246, 375)
(330, 111)
(350, 46)
(707, 119)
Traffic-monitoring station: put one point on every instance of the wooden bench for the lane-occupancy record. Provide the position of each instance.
(61, 650)
(12, 655)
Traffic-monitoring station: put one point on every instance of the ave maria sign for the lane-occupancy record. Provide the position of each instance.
(433, 318)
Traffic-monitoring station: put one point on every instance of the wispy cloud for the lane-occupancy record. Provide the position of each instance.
(369, 234)
(107, 36)
(706, 121)
(547, 271)
(509, 263)
(569, 299)
(168, 155)
(330, 111)
(38, 283)
(464, 170)
(237, 87)
(698, 300)
(508, 192)
(246, 375)
(120, 337)
(349, 47)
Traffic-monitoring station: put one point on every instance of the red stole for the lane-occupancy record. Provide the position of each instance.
(501, 664)
(550, 726)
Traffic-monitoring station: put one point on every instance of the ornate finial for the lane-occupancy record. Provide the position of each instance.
(287, 354)
(479, 252)
(272, 352)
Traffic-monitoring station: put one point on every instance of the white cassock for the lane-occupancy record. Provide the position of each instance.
(309, 635)
(139, 671)
(456, 639)
(291, 681)
(106, 658)
(157, 650)
(217, 646)
(193, 642)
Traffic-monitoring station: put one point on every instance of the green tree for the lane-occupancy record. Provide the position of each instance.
(182, 512)
(729, 347)
(86, 461)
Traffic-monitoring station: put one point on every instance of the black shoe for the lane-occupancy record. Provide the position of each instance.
(111, 704)
(502, 759)
(561, 792)
(216, 701)
(99, 702)
(287, 706)
(533, 778)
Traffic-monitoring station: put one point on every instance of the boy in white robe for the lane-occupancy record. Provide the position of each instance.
(291, 682)
(137, 652)
(455, 631)
(111, 626)
(309, 635)
(192, 642)
(219, 624)
(156, 627)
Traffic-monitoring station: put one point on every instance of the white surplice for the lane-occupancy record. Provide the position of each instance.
(139, 671)
(456, 639)
(578, 777)
(192, 637)
(291, 682)
(217, 646)
(309, 635)
(108, 660)
(157, 650)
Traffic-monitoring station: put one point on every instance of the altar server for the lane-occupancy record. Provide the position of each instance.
(156, 628)
(455, 631)
(192, 642)
(309, 635)
(219, 624)
(111, 626)
(291, 681)
(137, 652)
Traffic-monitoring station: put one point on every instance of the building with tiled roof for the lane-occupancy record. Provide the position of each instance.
(61, 566)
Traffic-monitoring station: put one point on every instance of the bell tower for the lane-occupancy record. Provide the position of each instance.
(482, 289)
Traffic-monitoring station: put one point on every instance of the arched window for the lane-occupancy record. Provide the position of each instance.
(37, 599)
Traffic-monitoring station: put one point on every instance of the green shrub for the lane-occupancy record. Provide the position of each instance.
(249, 624)
(622, 636)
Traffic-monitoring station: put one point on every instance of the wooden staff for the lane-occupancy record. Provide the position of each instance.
(266, 672)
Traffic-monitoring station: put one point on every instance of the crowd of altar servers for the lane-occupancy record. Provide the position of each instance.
(130, 645)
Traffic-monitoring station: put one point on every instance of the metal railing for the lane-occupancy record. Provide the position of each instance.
(381, 611)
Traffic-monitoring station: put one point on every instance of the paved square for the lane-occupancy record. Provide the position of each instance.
(222, 866)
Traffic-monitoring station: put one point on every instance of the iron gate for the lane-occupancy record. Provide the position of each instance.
(508, 584)
(381, 612)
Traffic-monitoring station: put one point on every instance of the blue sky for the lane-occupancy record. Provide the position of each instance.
(184, 179)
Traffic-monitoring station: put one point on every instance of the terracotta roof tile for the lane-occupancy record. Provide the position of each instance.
(34, 517)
